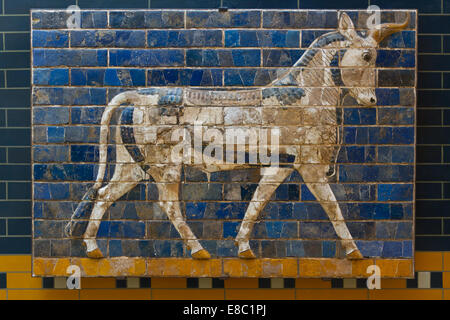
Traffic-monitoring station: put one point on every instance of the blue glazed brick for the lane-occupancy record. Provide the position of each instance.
(146, 58)
(83, 77)
(387, 97)
(404, 39)
(185, 77)
(69, 96)
(51, 39)
(108, 77)
(49, 19)
(122, 229)
(355, 192)
(317, 230)
(306, 194)
(286, 192)
(257, 38)
(50, 153)
(374, 173)
(362, 230)
(370, 248)
(395, 192)
(273, 248)
(403, 135)
(396, 154)
(396, 116)
(168, 248)
(82, 134)
(226, 248)
(84, 153)
(393, 230)
(162, 230)
(360, 116)
(108, 38)
(146, 20)
(48, 229)
(299, 19)
(396, 58)
(357, 154)
(54, 209)
(56, 77)
(223, 58)
(309, 211)
(201, 191)
(396, 78)
(229, 19)
(94, 19)
(247, 77)
(281, 229)
(295, 248)
(392, 249)
(357, 195)
(51, 191)
(230, 229)
(55, 134)
(329, 249)
(308, 36)
(407, 249)
(51, 115)
(69, 58)
(184, 38)
(281, 57)
(62, 172)
(391, 135)
(278, 210)
(381, 135)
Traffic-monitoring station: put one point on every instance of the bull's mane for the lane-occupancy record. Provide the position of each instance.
(289, 79)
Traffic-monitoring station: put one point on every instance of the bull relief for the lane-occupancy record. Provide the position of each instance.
(199, 143)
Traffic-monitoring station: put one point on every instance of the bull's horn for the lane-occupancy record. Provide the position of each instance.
(379, 32)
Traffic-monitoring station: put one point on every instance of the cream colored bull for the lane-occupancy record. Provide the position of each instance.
(302, 104)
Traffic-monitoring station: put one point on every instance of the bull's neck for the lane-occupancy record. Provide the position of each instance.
(315, 70)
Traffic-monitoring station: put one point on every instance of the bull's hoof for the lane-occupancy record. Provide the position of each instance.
(355, 255)
(201, 255)
(95, 254)
(247, 254)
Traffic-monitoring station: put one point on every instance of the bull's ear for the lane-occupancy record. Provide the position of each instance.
(346, 27)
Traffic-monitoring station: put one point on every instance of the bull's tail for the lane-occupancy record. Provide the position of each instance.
(84, 208)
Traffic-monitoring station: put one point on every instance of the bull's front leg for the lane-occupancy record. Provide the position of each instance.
(315, 178)
(271, 178)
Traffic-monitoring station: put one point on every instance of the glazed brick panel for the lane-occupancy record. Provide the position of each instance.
(76, 72)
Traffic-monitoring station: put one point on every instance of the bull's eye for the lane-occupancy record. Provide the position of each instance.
(366, 56)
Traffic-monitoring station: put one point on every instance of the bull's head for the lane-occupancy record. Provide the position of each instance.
(358, 62)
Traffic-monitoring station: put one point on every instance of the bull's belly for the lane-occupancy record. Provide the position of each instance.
(250, 134)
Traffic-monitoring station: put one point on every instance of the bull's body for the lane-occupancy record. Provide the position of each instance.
(302, 104)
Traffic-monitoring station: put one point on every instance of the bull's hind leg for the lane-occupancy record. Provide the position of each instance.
(271, 178)
(126, 177)
(168, 179)
(315, 178)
